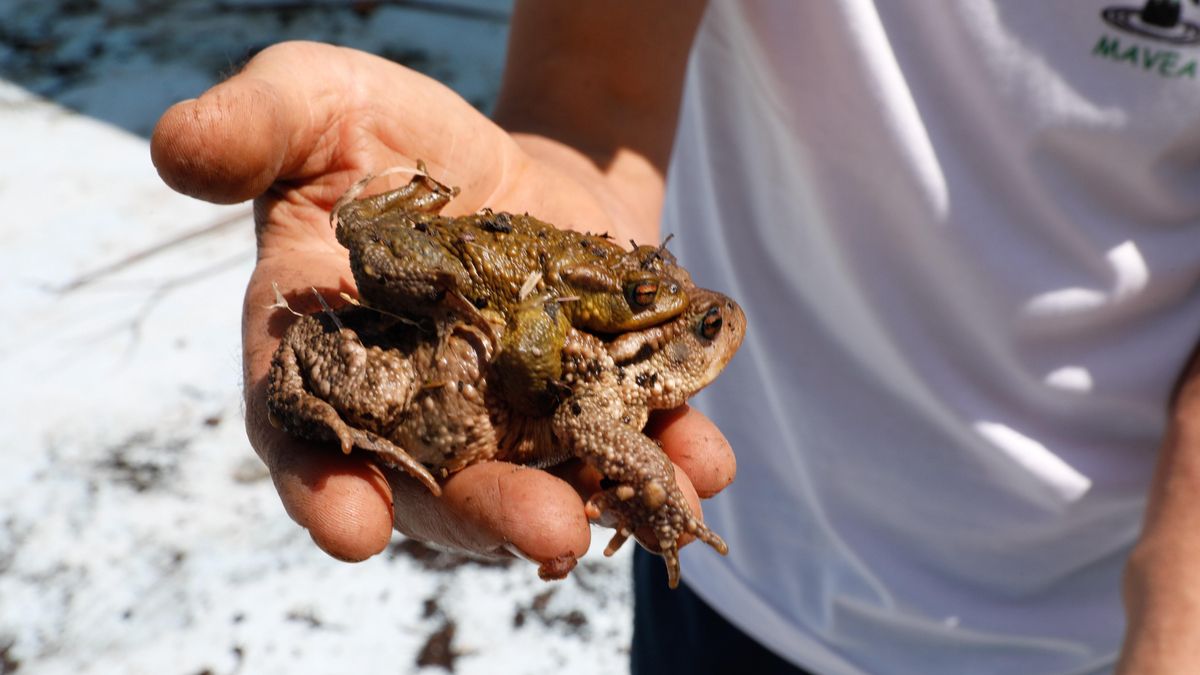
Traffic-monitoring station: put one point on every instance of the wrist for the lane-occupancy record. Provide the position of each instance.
(1161, 590)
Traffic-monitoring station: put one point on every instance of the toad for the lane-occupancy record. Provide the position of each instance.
(424, 399)
(409, 260)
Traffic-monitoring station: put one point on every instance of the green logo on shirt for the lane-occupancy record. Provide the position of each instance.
(1158, 20)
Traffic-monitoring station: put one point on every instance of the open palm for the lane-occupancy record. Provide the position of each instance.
(293, 131)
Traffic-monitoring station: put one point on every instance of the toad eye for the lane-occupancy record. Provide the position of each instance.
(710, 325)
(642, 293)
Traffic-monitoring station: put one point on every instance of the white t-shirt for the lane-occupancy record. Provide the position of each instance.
(967, 237)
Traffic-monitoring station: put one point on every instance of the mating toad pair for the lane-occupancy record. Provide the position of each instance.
(498, 336)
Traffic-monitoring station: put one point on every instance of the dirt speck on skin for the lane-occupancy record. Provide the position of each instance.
(439, 650)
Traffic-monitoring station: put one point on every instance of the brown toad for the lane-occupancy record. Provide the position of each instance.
(424, 400)
(409, 260)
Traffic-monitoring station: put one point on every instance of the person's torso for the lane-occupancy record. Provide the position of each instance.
(967, 237)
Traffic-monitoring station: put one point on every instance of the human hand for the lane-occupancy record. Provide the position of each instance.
(293, 131)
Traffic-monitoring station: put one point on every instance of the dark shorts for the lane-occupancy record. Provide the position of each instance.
(675, 632)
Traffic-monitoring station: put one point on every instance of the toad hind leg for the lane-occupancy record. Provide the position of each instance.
(291, 406)
(640, 492)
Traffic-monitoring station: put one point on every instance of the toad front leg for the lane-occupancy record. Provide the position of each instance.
(639, 487)
(421, 195)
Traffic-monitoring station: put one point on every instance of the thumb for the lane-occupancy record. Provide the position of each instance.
(227, 146)
(262, 124)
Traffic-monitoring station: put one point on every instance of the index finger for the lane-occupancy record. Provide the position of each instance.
(495, 507)
(230, 144)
